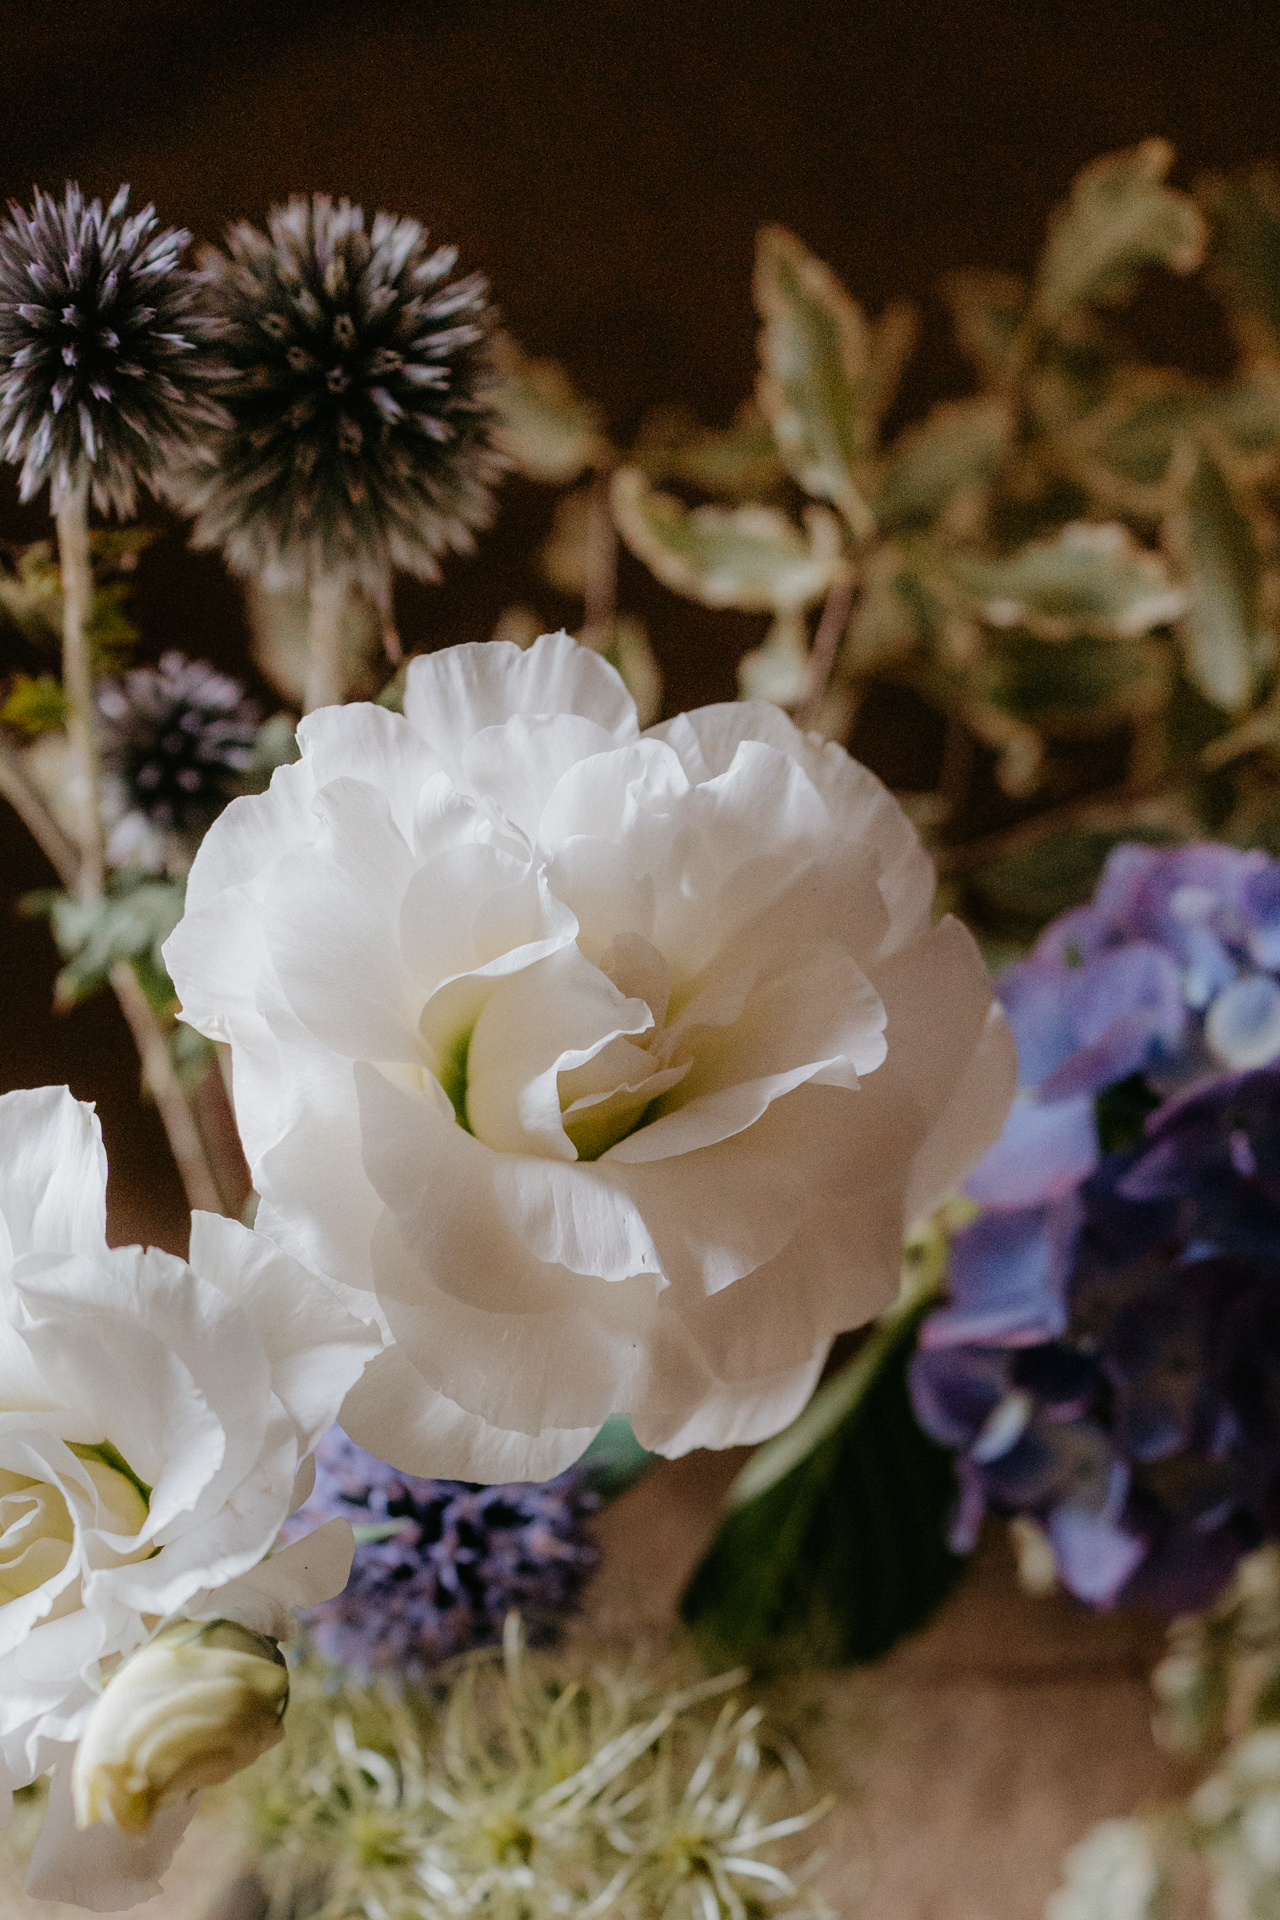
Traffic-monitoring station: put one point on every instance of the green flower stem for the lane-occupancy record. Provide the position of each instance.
(326, 677)
(71, 516)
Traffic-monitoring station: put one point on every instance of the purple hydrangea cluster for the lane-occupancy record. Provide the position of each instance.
(1109, 1358)
(442, 1581)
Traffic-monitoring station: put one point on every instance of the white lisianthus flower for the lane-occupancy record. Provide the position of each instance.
(153, 1416)
(605, 1069)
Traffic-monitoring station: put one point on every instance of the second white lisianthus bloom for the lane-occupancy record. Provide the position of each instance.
(153, 1416)
(606, 1069)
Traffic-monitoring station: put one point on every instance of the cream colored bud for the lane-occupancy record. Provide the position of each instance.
(192, 1707)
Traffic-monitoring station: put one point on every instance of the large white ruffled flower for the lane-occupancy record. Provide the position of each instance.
(605, 1069)
(153, 1415)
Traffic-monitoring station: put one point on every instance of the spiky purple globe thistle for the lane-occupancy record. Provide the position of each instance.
(104, 367)
(358, 435)
(461, 1558)
(174, 738)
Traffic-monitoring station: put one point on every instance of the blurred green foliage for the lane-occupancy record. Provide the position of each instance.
(1074, 565)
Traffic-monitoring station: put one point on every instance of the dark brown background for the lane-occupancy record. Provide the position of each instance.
(606, 162)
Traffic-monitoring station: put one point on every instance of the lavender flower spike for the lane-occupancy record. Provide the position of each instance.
(453, 1560)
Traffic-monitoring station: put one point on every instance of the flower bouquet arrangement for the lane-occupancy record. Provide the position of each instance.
(557, 1087)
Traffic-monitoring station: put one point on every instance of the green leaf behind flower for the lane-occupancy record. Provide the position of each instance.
(753, 558)
(1121, 219)
(131, 923)
(1089, 579)
(834, 1543)
(1244, 216)
(1225, 645)
(817, 379)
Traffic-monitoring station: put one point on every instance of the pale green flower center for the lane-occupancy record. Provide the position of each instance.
(37, 1531)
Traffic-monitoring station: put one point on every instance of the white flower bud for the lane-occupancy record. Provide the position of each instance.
(195, 1705)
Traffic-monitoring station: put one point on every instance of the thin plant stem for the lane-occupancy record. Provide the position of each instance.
(165, 1089)
(600, 587)
(81, 868)
(826, 644)
(326, 677)
(71, 515)
(60, 851)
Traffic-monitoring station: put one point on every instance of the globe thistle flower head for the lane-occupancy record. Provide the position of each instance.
(462, 1558)
(104, 366)
(174, 737)
(358, 435)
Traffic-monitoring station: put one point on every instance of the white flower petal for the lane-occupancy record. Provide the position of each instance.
(333, 916)
(367, 743)
(53, 1174)
(517, 765)
(863, 811)
(315, 1348)
(728, 1417)
(265, 1600)
(818, 1057)
(421, 1431)
(451, 696)
(101, 1867)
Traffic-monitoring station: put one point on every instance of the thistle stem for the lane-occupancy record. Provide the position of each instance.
(165, 1089)
(81, 868)
(72, 520)
(326, 677)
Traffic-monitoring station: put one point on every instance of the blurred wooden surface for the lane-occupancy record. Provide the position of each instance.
(965, 1763)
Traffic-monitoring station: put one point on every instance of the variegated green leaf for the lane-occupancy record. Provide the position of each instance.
(1089, 579)
(952, 455)
(1121, 218)
(779, 670)
(1244, 255)
(816, 376)
(1225, 644)
(738, 462)
(752, 558)
(986, 312)
(546, 428)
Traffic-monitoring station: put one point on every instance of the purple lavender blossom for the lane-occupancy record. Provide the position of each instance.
(1111, 1365)
(443, 1580)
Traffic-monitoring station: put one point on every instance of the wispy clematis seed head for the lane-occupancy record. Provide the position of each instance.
(608, 1069)
(358, 435)
(104, 360)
